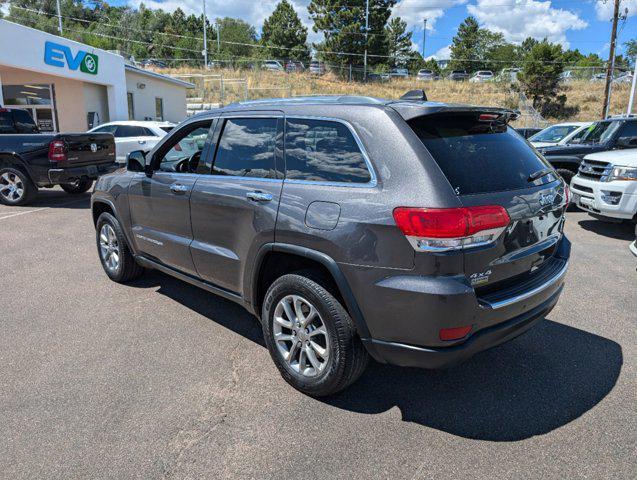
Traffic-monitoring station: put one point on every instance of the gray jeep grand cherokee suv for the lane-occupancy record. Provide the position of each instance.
(414, 232)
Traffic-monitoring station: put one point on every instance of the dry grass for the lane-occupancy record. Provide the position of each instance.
(263, 84)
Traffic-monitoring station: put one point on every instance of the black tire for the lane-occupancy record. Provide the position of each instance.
(347, 356)
(127, 268)
(80, 186)
(567, 175)
(16, 176)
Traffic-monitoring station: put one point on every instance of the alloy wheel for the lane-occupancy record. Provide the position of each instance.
(109, 248)
(11, 187)
(301, 336)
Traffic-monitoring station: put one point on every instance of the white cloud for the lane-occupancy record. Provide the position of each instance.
(527, 18)
(604, 10)
(414, 11)
(443, 54)
(251, 11)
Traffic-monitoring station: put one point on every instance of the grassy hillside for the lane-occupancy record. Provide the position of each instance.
(263, 84)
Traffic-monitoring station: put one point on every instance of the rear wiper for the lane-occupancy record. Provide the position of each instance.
(539, 174)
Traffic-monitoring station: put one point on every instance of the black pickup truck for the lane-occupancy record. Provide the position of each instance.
(610, 134)
(30, 160)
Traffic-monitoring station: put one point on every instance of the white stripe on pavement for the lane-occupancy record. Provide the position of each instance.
(40, 209)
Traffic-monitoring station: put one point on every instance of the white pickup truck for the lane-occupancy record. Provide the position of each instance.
(606, 184)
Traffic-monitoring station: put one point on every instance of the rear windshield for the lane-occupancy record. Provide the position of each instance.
(554, 133)
(167, 129)
(478, 157)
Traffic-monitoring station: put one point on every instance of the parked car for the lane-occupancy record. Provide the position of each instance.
(426, 75)
(625, 77)
(294, 210)
(609, 134)
(598, 77)
(317, 68)
(273, 66)
(292, 66)
(482, 76)
(528, 132)
(559, 134)
(399, 73)
(133, 135)
(508, 75)
(458, 75)
(567, 76)
(606, 184)
(30, 160)
(377, 77)
(152, 63)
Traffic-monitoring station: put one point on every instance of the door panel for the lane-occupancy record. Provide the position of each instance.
(160, 217)
(160, 204)
(228, 227)
(234, 210)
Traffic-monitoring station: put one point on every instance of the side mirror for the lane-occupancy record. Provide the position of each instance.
(136, 161)
(627, 142)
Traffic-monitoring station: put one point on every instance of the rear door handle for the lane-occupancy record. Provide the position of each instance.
(179, 189)
(259, 196)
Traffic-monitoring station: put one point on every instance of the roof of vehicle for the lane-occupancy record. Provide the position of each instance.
(623, 157)
(571, 124)
(138, 123)
(408, 109)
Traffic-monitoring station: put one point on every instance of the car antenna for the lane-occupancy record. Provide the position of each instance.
(418, 95)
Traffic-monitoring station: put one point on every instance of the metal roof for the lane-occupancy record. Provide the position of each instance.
(158, 76)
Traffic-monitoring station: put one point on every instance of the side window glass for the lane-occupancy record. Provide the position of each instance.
(124, 131)
(629, 129)
(323, 151)
(247, 148)
(185, 149)
(106, 129)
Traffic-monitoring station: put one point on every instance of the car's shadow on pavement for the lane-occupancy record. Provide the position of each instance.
(530, 386)
(618, 231)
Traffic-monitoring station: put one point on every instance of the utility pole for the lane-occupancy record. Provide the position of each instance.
(59, 18)
(205, 37)
(611, 61)
(218, 36)
(424, 37)
(366, 33)
(632, 90)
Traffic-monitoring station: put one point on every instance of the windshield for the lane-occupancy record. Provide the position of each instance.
(600, 132)
(553, 134)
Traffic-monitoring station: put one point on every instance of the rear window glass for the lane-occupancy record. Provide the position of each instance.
(323, 151)
(477, 157)
(124, 131)
(167, 129)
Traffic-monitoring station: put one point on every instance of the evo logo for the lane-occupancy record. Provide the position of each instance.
(61, 56)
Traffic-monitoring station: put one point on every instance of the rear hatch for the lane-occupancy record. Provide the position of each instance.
(488, 164)
(84, 149)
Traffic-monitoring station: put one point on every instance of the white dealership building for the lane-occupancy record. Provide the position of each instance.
(69, 86)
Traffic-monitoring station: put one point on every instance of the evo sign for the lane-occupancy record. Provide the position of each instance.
(61, 56)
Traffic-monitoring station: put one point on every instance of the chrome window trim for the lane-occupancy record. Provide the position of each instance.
(529, 293)
(370, 168)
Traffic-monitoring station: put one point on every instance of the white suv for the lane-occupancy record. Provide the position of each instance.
(606, 184)
(131, 135)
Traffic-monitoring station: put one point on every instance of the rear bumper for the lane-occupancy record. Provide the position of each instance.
(405, 355)
(405, 313)
(70, 175)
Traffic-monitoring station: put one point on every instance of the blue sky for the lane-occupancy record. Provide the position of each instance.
(582, 24)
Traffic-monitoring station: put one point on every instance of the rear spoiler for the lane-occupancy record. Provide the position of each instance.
(414, 104)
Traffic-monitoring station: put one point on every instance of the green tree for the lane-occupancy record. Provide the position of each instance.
(540, 79)
(472, 45)
(342, 23)
(398, 42)
(284, 29)
(630, 48)
(237, 38)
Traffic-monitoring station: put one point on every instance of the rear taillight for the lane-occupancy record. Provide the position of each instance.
(442, 229)
(454, 333)
(57, 151)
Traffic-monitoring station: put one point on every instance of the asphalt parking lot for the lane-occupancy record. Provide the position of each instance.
(160, 379)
